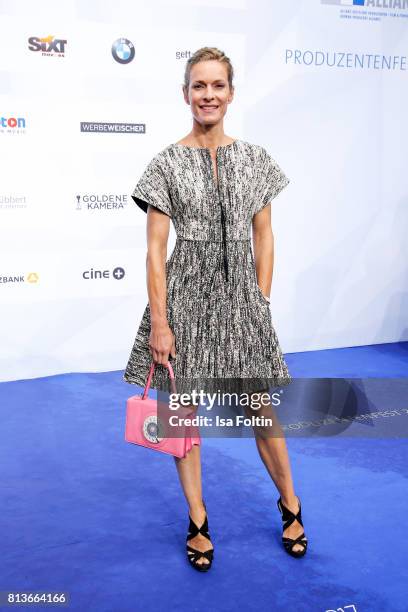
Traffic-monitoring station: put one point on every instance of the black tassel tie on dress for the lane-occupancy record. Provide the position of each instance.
(223, 224)
(225, 339)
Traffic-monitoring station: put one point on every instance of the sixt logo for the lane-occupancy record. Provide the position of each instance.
(380, 4)
(48, 46)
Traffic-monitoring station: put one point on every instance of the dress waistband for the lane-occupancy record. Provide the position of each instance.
(213, 239)
(223, 240)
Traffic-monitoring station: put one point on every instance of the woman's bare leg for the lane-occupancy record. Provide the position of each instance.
(273, 451)
(189, 471)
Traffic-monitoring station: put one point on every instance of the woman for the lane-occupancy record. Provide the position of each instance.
(208, 309)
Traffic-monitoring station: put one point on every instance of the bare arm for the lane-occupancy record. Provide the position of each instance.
(263, 247)
(162, 341)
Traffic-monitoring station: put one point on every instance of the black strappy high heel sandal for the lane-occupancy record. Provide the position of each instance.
(193, 555)
(288, 517)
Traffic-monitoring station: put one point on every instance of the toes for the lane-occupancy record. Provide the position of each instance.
(202, 561)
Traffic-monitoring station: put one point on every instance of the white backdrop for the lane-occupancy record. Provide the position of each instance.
(320, 84)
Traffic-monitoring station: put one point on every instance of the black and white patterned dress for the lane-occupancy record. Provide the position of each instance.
(224, 336)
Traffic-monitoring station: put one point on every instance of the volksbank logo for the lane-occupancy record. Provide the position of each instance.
(380, 4)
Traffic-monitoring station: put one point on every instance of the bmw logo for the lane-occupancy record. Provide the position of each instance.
(123, 51)
(152, 429)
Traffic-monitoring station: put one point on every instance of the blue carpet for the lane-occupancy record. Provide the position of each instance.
(85, 512)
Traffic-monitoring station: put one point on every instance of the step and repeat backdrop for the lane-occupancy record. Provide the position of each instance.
(91, 91)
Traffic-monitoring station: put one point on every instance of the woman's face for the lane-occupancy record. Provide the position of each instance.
(208, 93)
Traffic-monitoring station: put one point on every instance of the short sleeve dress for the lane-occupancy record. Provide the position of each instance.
(224, 336)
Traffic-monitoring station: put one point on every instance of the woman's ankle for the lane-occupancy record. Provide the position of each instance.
(291, 502)
(196, 508)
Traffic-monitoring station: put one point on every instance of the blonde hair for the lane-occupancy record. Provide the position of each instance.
(208, 53)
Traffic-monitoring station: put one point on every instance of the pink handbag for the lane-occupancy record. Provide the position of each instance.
(146, 428)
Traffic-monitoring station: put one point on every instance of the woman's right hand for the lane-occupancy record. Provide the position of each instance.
(161, 343)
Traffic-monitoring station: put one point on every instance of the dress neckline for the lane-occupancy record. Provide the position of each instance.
(230, 144)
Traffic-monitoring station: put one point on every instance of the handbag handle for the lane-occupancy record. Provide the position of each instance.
(149, 378)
